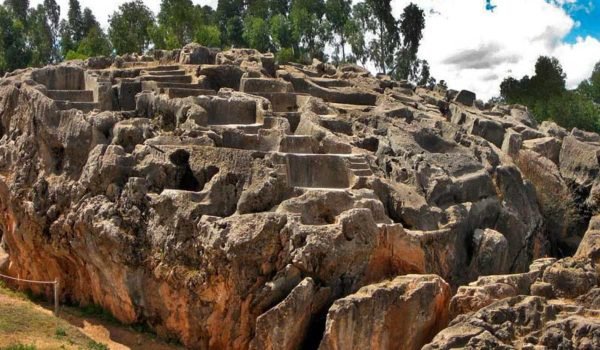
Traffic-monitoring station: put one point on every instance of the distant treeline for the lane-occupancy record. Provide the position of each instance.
(546, 95)
(295, 30)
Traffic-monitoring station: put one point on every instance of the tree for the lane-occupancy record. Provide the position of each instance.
(281, 32)
(549, 78)
(14, 53)
(338, 13)
(53, 20)
(229, 18)
(257, 33)
(424, 78)
(412, 23)
(360, 23)
(546, 96)
(386, 35)
(547, 83)
(129, 27)
(573, 109)
(591, 87)
(177, 19)
(279, 7)
(75, 22)
(95, 44)
(257, 8)
(19, 8)
(41, 37)
(208, 35)
(309, 32)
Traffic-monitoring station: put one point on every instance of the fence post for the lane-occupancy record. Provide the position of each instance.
(56, 291)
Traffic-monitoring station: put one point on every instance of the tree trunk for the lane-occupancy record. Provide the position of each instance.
(382, 45)
(343, 42)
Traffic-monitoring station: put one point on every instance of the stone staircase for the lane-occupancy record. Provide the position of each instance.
(359, 166)
(173, 81)
(69, 99)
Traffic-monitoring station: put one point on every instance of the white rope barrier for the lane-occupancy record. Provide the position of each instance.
(28, 281)
(55, 283)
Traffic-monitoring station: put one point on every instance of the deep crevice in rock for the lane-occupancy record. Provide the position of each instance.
(185, 178)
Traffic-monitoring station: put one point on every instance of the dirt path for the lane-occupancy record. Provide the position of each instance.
(28, 323)
(116, 337)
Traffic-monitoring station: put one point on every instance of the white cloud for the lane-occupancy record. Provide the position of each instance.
(475, 49)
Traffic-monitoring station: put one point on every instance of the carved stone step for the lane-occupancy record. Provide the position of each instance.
(165, 72)
(167, 78)
(185, 92)
(71, 95)
(82, 106)
(361, 173)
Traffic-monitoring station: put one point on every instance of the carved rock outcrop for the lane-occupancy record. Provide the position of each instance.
(267, 217)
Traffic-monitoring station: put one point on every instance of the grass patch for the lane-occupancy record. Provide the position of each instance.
(19, 347)
(60, 332)
(96, 346)
(25, 326)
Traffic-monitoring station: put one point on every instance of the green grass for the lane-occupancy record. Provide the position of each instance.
(96, 346)
(19, 347)
(24, 326)
(60, 332)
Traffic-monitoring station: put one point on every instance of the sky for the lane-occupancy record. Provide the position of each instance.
(475, 44)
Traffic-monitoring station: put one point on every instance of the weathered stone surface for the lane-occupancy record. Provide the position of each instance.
(590, 245)
(490, 252)
(513, 141)
(285, 326)
(465, 97)
(380, 315)
(548, 147)
(233, 219)
(570, 277)
(520, 322)
(196, 54)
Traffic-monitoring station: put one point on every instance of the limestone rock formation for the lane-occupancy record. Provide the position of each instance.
(555, 305)
(380, 316)
(230, 202)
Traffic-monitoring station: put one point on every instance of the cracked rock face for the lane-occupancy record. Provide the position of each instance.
(229, 202)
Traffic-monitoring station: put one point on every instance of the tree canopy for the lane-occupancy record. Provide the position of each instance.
(295, 30)
(547, 97)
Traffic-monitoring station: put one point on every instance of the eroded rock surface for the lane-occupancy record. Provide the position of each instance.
(230, 202)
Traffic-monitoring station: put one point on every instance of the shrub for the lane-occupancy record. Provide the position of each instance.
(60, 332)
(92, 345)
(285, 55)
(73, 55)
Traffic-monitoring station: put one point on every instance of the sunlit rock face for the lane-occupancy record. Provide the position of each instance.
(231, 203)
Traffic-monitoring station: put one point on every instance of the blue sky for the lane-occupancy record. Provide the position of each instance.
(587, 18)
(471, 46)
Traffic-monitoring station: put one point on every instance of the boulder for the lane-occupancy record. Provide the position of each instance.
(285, 326)
(490, 130)
(570, 277)
(196, 54)
(522, 322)
(490, 253)
(548, 147)
(403, 313)
(132, 132)
(512, 143)
(552, 129)
(579, 161)
(590, 245)
(466, 98)
(472, 298)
